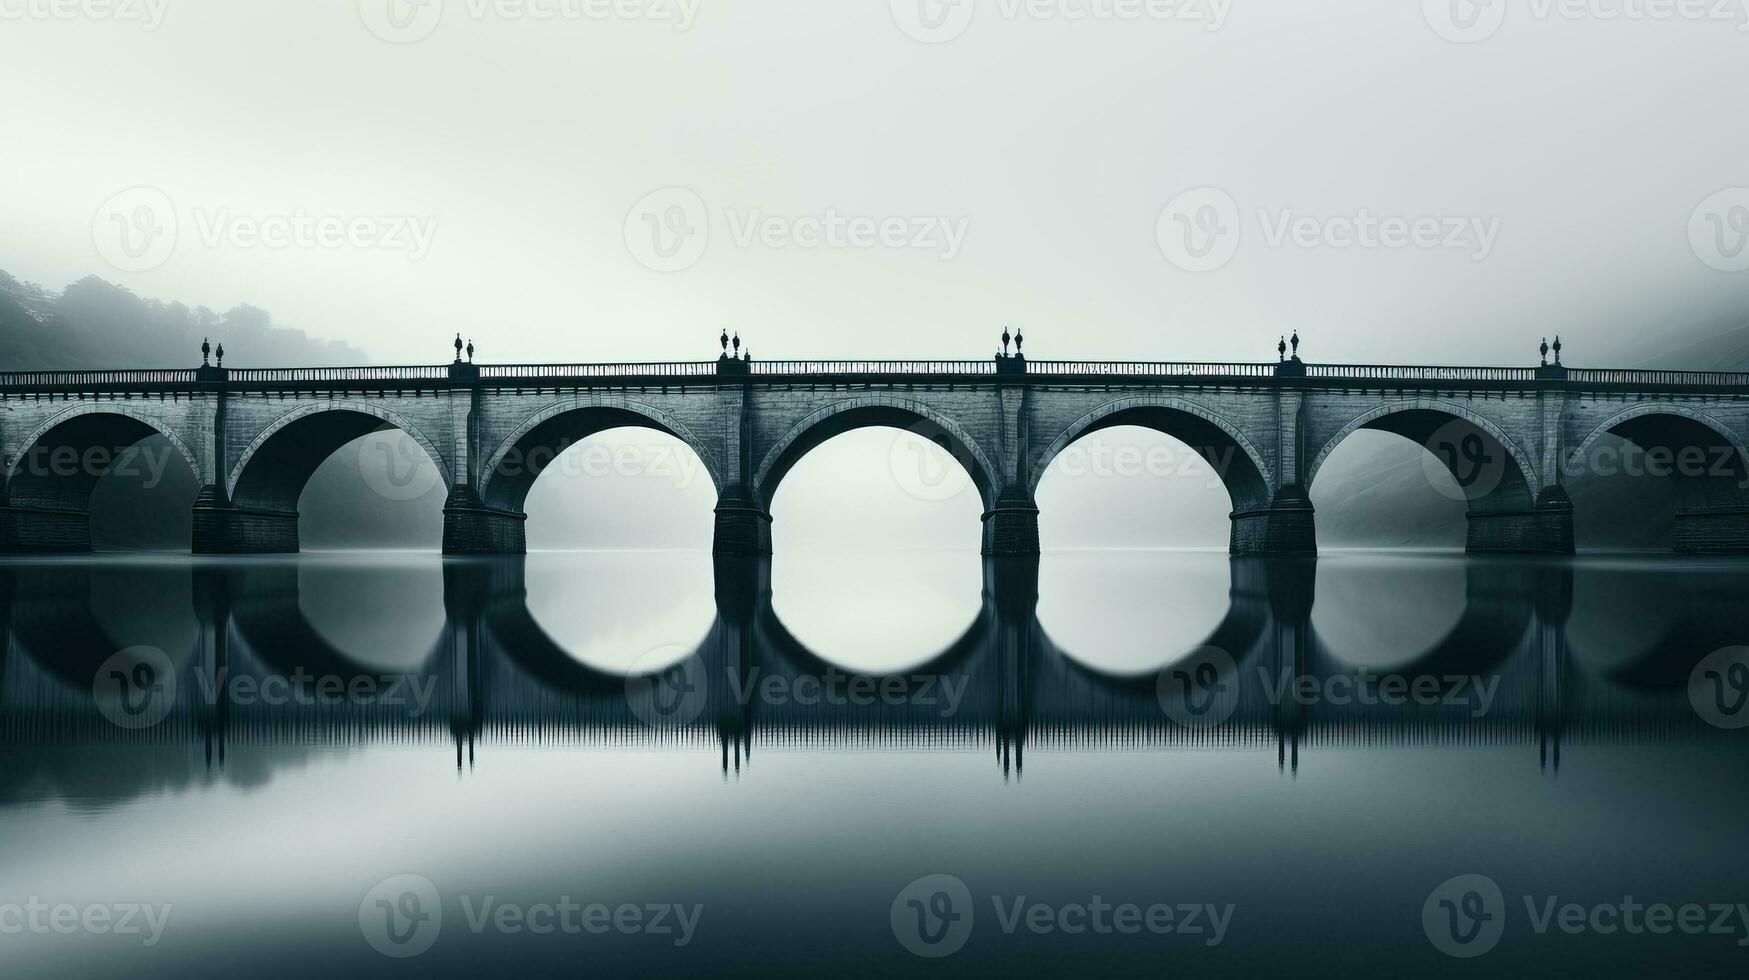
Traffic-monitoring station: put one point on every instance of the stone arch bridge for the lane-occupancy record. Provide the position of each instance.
(1509, 437)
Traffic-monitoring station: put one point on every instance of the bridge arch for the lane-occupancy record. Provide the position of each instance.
(1414, 412)
(873, 410)
(274, 468)
(51, 492)
(512, 468)
(1699, 456)
(1247, 476)
(1725, 435)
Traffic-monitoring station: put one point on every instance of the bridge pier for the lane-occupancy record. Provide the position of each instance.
(1713, 530)
(470, 527)
(1545, 529)
(222, 528)
(1286, 528)
(44, 531)
(1011, 526)
(743, 527)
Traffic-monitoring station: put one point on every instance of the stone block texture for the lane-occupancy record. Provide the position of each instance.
(1508, 446)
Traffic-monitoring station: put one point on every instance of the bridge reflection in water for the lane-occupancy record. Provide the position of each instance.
(1514, 665)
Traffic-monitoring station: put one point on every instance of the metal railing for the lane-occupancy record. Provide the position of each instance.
(789, 369)
(1153, 369)
(1703, 379)
(1397, 372)
(874, 367)
(666, 369)
(421, 372)
(87, 379)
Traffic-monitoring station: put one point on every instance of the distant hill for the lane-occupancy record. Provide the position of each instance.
(93, 324)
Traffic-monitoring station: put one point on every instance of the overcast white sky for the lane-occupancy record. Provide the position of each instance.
(1575, 150)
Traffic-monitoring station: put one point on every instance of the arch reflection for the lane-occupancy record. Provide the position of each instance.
(1533, 657)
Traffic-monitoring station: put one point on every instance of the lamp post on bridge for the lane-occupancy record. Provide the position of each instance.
(736, 363)
(1017, 363)
(1551, 372)
(208, 372)
(1285, 366)
(460, 370)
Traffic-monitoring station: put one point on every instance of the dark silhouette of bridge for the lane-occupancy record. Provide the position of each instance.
(495, 677)
(1509, 436)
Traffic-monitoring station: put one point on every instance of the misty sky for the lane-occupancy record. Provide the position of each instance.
(1438, 182)
(494, 175)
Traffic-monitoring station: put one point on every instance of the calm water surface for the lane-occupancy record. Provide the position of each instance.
(300, 764)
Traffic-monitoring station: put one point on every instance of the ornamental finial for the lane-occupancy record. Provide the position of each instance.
(725, 340)
(1006, 340)
(206, 350)
(1545, 351)
(470, 350)
(1281, 349)
(1557, 350)
(737, 342)
(221, 353)
(1019, 342)
(458, 348)
(1296, 342)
